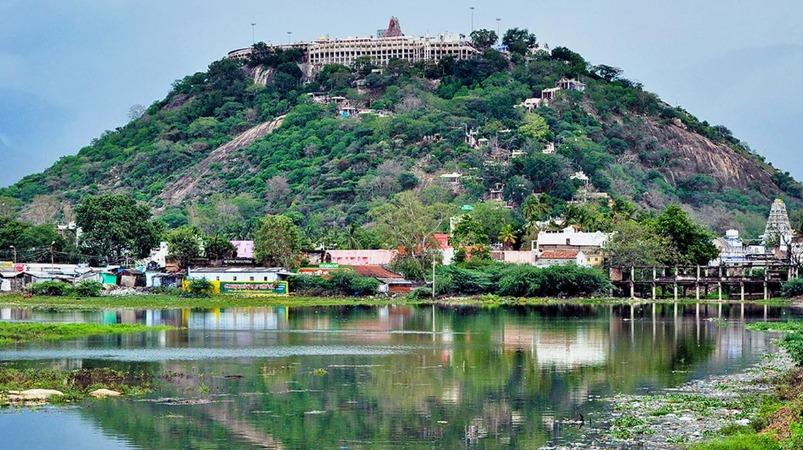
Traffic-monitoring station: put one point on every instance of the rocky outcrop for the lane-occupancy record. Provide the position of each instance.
(185, 185)
(694, 154)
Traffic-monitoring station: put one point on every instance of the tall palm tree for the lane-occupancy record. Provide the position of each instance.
(507, 236)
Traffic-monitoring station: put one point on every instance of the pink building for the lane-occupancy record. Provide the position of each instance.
(245, 249)
(359, 257)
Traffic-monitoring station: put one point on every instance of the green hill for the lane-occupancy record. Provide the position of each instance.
(222, 149)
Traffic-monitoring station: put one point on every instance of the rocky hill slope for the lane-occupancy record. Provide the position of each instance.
(240, 140)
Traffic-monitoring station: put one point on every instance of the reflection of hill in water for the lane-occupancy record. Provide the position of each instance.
(490, 377)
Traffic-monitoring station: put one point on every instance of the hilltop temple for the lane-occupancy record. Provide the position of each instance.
(779, 229)
(389, 43)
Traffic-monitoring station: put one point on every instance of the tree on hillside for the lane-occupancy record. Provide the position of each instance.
(689, 243)
(483, 38)
(277, 242)
(116, 227)
(534, 127)
(217, 247)
(607, 73)
(518, 41)
(184, 244)
(577, 65)
(136, 111)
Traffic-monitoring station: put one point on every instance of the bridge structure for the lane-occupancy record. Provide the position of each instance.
(732, 281)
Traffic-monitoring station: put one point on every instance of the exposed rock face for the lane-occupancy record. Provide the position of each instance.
(186, 185)
(695, 154)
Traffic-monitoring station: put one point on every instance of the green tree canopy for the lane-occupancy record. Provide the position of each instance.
(115, 227)
(534, 127)
(483, 38)
(518, 41)
(184, 244)
(634, 244)
(689, 243)
(277, 242)
(217, 247)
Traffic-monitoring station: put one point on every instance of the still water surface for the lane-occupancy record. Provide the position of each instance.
(379, 377)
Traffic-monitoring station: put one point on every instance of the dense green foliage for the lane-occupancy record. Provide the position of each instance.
(520, 281)
(338, 283)
(277, 242)
(50, 288)
(15, 333)
(116, 227)
(24, 241)
(198, 288)
(793, 288)
(60, 289)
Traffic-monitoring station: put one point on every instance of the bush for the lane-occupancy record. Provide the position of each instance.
(88, 289)
(199, 288)
(521, 281)
(793, 288)
(793, 344)
(51, 288)
(341, 282)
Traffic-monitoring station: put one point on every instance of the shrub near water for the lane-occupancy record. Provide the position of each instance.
(50, 288)
(521, 281)
(341, 282)
(793, 288)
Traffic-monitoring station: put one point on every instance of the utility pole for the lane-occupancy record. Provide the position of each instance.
(14, 249)
(51, 253)
(253, 33)
(472, 18)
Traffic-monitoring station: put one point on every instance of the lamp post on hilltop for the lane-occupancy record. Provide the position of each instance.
(498, 20)
(253, 33)
(289, 37)
(472, 18)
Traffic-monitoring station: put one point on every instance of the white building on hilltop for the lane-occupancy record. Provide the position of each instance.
(390, 44)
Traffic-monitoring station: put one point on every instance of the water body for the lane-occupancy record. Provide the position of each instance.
(379, 377)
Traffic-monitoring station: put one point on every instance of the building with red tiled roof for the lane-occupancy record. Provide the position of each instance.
(550, 258)
(392, 282)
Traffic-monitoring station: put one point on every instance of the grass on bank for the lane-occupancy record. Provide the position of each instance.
(778, 425)
(21, 332)
(162, 301)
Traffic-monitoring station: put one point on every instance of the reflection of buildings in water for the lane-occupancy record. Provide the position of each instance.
(239, 319)
(451, 394)
(564, 348)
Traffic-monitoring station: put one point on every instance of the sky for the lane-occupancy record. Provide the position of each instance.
(71, 69)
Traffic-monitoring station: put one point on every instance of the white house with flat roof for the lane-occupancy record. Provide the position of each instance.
(238, 273)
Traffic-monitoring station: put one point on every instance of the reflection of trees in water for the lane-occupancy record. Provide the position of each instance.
(485, 376)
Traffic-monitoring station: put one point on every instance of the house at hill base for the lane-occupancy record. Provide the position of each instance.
(570, 239)
(551, 258)
(360, 257)
(390, 282)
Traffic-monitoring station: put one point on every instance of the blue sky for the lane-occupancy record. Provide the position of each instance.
(71, 69)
